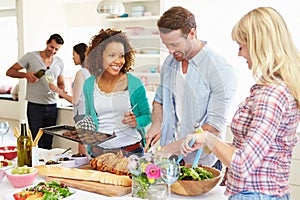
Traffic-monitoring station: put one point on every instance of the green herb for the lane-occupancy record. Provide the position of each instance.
(52, 190)
(197, 173)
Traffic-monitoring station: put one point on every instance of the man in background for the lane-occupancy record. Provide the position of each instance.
(41, 107)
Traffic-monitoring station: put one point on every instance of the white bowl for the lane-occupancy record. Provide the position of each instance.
(137, 14)
(52, 154)
(81, 160)
(53, 165)
(138, 9)
(68, 163)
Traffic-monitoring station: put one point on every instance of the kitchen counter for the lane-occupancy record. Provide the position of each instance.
(7, 189)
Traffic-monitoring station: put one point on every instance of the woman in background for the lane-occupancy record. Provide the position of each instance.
(115, 99)
(77, 99)
(264, 126)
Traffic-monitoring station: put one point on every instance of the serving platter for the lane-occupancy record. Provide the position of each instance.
(78, 135)
(10, 196)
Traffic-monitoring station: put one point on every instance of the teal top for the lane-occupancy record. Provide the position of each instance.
(137, 93)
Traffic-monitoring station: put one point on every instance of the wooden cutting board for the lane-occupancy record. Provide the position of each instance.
(92, 186)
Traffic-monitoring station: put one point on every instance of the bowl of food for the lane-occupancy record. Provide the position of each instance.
(21, 176)
(9, 152)
(67, 162)
(52, 154)
(52, 163)
(194, 182)
(80, 159)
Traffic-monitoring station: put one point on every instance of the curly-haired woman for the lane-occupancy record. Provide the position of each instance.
(115, 99)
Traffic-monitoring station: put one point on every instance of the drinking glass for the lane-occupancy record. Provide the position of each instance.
(169, 172)
(49, 78)
(4, 127)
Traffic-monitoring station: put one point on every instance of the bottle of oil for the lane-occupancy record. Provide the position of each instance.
(24, 146)
(40, 73)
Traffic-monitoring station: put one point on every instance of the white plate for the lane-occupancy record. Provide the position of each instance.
(53, 154)
(13, 164)
(121, 198)
(11, 197)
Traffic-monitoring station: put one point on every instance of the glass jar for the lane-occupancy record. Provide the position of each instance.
(145, 191)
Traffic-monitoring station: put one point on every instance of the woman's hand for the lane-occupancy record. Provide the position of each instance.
(82, 149)
(54, 88)
(129, 119)
(199, 142)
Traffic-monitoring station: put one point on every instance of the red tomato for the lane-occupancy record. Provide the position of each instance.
(18, 196)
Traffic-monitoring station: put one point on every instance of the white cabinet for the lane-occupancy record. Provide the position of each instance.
(144, 36)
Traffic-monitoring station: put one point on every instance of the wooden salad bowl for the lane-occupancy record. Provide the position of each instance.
(195, 188)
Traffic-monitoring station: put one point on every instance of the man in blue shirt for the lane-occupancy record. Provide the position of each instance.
(196, 86)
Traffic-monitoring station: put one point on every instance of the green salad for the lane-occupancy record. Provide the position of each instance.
(49, 191)
(197, 173)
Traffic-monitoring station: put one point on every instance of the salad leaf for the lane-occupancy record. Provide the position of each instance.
(197, 173)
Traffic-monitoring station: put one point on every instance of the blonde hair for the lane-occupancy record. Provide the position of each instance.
(272, 51)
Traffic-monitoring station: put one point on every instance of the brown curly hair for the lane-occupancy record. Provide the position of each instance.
(98, 44)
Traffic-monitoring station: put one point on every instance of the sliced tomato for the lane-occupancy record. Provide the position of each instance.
(18, 196)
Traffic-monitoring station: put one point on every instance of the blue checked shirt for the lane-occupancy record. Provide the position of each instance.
(208, 92)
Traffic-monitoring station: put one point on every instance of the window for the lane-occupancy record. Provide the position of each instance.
(8, 40)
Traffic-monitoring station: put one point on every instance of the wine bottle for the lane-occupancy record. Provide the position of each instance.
(24, 146)
(40, 73)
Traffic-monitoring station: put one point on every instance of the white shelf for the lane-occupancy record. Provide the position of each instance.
(140, 55)
(131, 19)
(143, 37)
(147, 74)
(134, 1)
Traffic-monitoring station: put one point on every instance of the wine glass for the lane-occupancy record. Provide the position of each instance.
(49, 78)
(4, 127)
(169, 172)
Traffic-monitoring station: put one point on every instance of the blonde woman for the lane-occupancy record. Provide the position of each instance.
(264, 126)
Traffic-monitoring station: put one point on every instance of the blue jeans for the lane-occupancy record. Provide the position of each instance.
(218, 165)
(248, 195)
(40, 116)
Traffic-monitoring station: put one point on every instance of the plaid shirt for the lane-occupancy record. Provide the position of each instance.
(264, 129)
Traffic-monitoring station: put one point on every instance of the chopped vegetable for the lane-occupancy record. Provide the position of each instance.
(49, 190)
(197, 173)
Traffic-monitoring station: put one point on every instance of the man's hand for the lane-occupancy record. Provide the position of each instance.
(31, 77)
(154, 132)
(152, 136)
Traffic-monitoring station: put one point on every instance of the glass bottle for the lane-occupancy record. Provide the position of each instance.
(40, 73)
(24, 146)
(198, 129)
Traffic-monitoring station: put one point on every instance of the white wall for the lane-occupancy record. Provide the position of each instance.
(215, 20)
(78, 21)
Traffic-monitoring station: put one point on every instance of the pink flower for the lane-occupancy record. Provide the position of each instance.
(152, 171)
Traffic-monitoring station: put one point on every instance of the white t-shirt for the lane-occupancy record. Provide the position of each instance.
(180, 81)
(110, 108)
